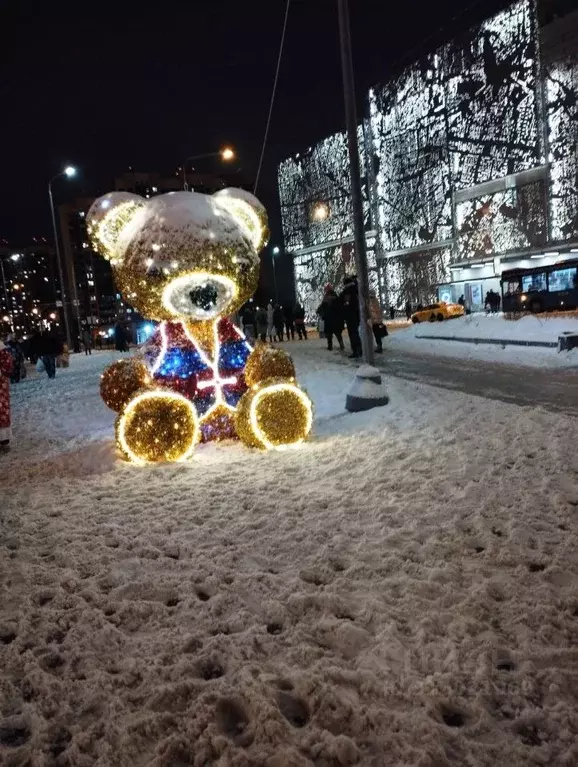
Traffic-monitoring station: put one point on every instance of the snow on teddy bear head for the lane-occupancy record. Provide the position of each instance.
(181, 255)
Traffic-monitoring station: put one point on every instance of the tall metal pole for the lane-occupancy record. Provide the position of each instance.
(74, 292)
(274, 277)
(8, 307)
(59, 264)
(356, 197)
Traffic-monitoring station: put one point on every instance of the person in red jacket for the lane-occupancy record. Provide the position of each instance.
(6, 363)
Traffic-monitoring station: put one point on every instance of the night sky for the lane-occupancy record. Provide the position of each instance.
(110, 85)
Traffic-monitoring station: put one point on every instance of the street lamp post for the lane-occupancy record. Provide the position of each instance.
(367, 390)
(69, 172)
(8, 307)
(226, 154)
(356, 196)
(275, 252)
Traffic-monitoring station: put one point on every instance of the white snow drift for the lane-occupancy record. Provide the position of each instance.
(403, 590)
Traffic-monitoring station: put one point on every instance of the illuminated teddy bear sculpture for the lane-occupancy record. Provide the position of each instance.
(188, 261)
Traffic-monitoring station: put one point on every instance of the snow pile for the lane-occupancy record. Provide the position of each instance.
(418, 338)
(494, 326)
(401, 590)
(366, 390)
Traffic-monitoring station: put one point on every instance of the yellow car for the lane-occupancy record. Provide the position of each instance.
(439, 312)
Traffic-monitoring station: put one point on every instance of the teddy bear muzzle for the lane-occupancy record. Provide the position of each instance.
(199, 296)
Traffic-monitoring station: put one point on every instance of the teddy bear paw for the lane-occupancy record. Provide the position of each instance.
(274, 414)
(156, 426)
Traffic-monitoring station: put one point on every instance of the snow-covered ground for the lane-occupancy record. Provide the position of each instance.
(424, 337)
(402, 590)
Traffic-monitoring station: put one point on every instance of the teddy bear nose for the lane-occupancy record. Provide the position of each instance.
(204, 296)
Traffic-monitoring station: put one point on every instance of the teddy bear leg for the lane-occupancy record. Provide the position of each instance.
(274, 414)
(157, 425)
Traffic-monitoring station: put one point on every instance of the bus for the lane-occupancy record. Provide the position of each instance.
(541, 289)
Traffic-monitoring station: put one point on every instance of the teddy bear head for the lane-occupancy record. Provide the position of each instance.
(181, 255)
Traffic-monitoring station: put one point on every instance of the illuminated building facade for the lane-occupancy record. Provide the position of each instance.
(29, 289)
(470, 167)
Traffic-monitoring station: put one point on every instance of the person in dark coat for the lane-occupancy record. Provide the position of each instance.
(299, 315)
(278, 322)
(120, 338)
(18, 359)
(248, 320)
(47, 346)
(408, 311)
(331, 313)
(289, 322)
(87, 340)
(261, 323)
(377, 325)
(350, 302)
(391, 312)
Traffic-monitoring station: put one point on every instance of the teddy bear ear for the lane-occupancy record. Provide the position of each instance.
(107, 217)
(248, 212)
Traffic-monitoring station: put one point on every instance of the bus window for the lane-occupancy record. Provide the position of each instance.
(511, 287)
(534, 282)
(562, 279)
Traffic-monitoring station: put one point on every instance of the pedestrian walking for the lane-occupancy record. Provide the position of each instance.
(278, 322)
(120, 338)
(261, 323)
(350, 302)
(18, 359)
(408, 311)
(270, 323)
(376, 317)
(248, 320)
(46, 347)
(51, 348)
(87, 340)
(6, 365)
(289, 322)
(331, 314)
(391, 312)
(299, 316)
